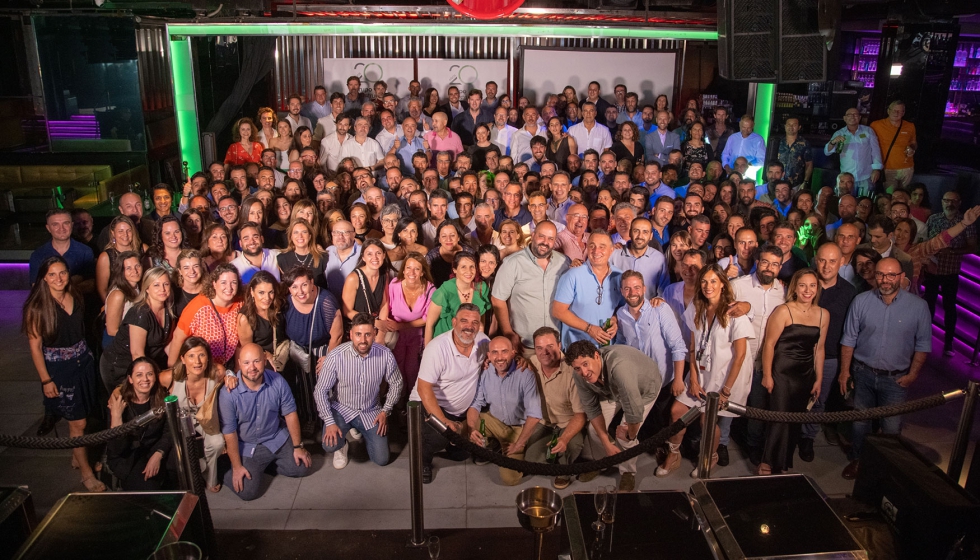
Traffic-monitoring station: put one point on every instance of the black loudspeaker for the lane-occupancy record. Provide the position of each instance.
(747, 40)
(802, 49)
(931, 515)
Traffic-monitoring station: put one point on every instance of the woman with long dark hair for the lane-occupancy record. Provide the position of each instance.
(365, 289)
(194, 221)
(718, 358)
(464, 287)
(408, 304)
(168, 240)
(55, 327)
(139, 459)
(302, 138)
(260, 318)
(195, 378)
(145, 330)
(123, 290)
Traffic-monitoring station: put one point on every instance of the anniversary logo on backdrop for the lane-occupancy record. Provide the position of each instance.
(396, 72)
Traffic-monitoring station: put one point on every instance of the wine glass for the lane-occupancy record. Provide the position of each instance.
(609, 514)
(434, 547)
(600, 506)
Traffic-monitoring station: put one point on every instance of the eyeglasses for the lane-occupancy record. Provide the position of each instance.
(887, 275)
(598, 299)
(344, 232)
(227, 208)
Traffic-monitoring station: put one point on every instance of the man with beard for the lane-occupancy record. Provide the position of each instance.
(483, 233)
(700, 230)
(448, 381)
(746, 198)
(254, 257)
(847, 210)
(640, 256)
(589, 134)
(260, 426)
(465, 123)
(501, 133)
(342, 257)
(327, 125)
(661, 215)
(659, 143)
(747, 144)
(408, 145)
(513, 415)
(365, 150)
(887, 337)
(757, 295)
(333, 144)
(348, 393)
(525, 286)
(653, 184)
(784, 237)
(631, 113)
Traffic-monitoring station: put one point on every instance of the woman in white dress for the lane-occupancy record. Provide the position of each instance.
(717, 358)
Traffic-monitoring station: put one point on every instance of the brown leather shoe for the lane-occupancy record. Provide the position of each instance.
(850, 472)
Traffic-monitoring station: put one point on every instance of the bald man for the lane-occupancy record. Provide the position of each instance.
(260, 425)
(508, 403)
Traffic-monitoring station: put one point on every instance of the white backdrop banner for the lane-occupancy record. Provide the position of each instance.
(466, 74)
(549, 71)
(396, 72)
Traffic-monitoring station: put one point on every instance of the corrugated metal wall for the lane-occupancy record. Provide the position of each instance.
(299, 68)
(154, 67)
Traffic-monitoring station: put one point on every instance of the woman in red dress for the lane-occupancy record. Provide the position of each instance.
(246, 147)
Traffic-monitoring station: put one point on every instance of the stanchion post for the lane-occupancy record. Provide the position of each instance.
(415, 472)
(177, 437)
(708, 435)
(975, 360)
(962, 440)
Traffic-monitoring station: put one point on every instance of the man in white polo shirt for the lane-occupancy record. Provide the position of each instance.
(448, 380)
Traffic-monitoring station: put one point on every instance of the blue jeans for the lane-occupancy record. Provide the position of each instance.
(871, 391)
(828, 384)
(258, 462)
(377, 446)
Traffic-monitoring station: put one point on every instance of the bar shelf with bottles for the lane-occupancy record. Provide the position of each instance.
(860, 62)
(964, 85)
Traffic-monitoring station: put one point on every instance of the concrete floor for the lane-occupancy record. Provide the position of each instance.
(365, 496)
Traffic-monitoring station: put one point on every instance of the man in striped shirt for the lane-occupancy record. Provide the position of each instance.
(348, 390)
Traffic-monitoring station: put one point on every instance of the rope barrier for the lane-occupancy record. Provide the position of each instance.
(30, 442)
(655, 441)
(843, 416)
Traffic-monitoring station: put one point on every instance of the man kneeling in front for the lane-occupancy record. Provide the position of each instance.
(260, 425)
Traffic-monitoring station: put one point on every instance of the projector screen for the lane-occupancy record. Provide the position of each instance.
(550, 70)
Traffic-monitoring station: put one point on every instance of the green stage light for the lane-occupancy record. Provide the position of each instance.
(185, 102)
(764, 96)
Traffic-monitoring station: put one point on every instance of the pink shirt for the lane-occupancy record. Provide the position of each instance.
(450, 143)
(399, 310)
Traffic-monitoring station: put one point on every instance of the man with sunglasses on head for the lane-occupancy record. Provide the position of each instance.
(587, 296)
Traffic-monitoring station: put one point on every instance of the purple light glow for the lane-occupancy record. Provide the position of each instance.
(78, 126)
(14, 268)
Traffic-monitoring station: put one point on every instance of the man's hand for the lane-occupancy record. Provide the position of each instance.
(238, 475)
(611, 448)
(152, 466)
(695, 390)
(512, 448)
(398, 143)
(598, 334)
(515, 339)
(455, 426)
(559, 447)
(906, 380)
(301, 455)
(732, 270)
(575, 263)
(875, 175)
(971, 215)
(739, 308)
(230, 382)
(331, 435)
(842, 379)
(622, 432)
(382, 422)
(319, 363)
(476, 438)
(677, 387)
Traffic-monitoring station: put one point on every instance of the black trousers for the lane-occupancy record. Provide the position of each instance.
(433, 442)
(948, 284)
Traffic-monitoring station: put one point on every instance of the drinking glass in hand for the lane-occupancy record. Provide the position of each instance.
(600, 506)
(609, 513)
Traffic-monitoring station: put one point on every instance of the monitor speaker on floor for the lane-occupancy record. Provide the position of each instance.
(931, 515)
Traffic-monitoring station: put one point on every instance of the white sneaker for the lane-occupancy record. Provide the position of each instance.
(355, 435)
(340, 457)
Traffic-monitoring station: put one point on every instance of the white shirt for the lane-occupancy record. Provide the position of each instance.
(763, 302)
(520, 144)
(247, 269)
(298, 122)
(387, 139)
(367, 154)
(597, 139)
(330, 149)
(454, 376)
(502, 137)
(325, 126)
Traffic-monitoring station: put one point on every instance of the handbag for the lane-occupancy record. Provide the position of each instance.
(207, 415)
(391, 337)
(280, 352)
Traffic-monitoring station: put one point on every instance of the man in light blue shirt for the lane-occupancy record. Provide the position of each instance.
(342, 257)
(588, 295)
(653, 330)
(639, 256)
(513, 415)
(746, 144)
(409, 144)
(860, 154)
(887, 337)
(260, 426)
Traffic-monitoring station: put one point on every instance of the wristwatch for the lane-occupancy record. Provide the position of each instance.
(299, 446)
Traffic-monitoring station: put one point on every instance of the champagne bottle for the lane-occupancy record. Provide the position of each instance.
(483, 431)
(552, 457)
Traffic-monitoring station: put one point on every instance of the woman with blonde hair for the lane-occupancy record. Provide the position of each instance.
(245, 147)
(510, 239)
(145, 330)
(717, 361)
(122, 237)
(195, 380)
(305, 209)
(267, 120)
(189, 279)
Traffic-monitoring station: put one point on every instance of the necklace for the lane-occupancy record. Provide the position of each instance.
(303, 261)
(61, 302)
(465, 296)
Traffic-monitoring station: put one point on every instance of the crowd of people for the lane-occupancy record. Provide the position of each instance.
(552, 282)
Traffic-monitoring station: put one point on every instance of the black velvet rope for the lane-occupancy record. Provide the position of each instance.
(87, 440)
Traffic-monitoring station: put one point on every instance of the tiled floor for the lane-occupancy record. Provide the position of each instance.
(365, 496)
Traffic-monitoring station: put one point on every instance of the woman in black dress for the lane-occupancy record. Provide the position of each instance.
(627, 145)
(366, 288)
(695, 149)
(560, 144)
(55, 327)
(792, 365)
(139, 459)
(260, 318)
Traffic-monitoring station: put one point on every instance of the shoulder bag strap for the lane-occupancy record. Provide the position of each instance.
(367, 296)
(224, 335)
(892, 145)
